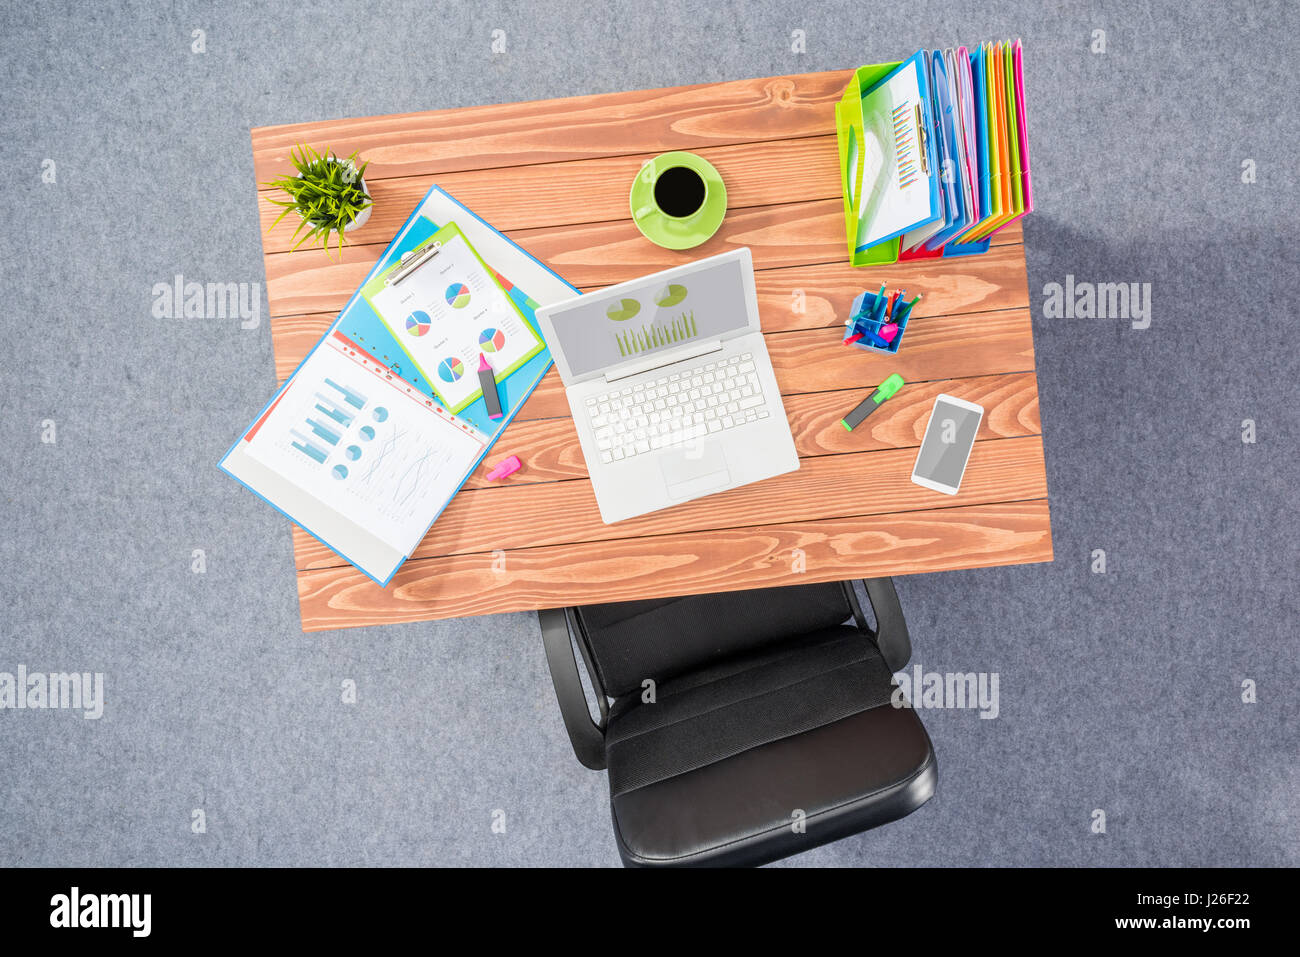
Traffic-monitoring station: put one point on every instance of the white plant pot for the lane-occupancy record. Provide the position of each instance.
(364, 214)
(361, 216)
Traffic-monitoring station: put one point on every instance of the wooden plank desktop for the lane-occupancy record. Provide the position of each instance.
(554, 176)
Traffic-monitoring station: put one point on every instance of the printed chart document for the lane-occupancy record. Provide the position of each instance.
(358, 449)
(365, 444)
(897, 191)
(447, 311)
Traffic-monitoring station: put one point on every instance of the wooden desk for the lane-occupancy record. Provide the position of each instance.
(554, 176)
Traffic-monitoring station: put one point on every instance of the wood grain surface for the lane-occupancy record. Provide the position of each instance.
(692, 563)
(554, 176)
(573, 128)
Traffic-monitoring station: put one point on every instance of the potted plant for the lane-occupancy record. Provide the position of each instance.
(328, 194)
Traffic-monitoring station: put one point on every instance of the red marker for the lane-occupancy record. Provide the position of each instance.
(852, 339)
(487, 380)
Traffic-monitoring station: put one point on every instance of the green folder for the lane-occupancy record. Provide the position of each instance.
(851, 133)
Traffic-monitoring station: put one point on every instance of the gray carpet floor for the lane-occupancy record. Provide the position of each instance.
(1120, 692)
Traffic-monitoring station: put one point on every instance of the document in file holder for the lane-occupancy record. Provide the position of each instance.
(365, 444)
(889, 171)
(359, 447)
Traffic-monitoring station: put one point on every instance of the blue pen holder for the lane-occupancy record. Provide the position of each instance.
(860, 322)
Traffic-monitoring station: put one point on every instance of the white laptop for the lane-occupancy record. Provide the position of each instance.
(670, 385)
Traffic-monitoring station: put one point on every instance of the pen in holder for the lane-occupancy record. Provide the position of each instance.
(877, 321)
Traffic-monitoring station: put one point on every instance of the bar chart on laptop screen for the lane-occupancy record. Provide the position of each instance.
(640, 319)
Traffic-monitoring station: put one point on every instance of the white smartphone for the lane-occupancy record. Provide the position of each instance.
(949, 437)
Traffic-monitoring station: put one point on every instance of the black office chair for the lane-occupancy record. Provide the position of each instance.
(770, 729)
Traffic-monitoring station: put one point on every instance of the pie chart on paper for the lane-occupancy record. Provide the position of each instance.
(458, 295)
(491, 340)
(418, 323)
(450, 369)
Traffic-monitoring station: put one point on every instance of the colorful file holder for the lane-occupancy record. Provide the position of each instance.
(934, 153)
(850, 128)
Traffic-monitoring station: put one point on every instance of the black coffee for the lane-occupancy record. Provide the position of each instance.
(679, 191)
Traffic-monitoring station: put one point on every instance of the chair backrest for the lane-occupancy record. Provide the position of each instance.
(660, 638)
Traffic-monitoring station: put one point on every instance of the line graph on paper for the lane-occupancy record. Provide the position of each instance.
(399, 466)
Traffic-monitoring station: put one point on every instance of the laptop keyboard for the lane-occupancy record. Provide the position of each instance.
(676, 408)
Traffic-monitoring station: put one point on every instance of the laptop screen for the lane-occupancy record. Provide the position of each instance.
(608, 327)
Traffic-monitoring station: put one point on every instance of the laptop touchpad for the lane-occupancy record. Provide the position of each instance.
(694, 470)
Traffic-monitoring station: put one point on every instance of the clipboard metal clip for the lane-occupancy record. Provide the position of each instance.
(411, 261)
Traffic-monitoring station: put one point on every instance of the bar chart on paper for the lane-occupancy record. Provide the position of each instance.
(329, 418)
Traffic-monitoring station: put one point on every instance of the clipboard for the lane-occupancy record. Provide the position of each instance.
(883, 116)
(445, 307)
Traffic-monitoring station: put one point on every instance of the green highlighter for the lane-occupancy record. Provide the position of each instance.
(872, 402)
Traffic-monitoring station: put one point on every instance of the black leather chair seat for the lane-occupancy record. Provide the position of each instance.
(714, 770)
(770, 731)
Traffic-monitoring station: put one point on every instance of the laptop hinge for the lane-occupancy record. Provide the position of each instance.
(662, 359)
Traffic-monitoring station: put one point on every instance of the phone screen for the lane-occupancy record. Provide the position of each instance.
(947, 443)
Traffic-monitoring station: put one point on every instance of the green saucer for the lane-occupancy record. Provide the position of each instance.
(672, 232)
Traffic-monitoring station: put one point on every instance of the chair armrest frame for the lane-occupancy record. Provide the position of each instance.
(891, 628)
(587, 737)
(890, 636)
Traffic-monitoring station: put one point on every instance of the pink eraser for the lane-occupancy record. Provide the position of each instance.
(507, 466)
(888, 332)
